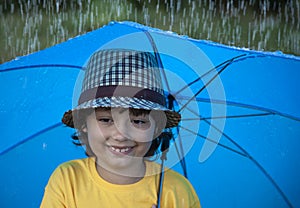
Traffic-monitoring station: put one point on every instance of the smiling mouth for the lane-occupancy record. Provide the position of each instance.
(122, 150)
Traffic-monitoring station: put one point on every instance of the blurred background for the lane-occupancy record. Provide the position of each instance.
(268, 25)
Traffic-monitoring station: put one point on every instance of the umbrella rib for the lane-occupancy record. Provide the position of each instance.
(269, 112)
(41, 65)
(181, 153)
(30, 138)
(255, 162)
(227, 137)
(245, 153)
(160, 64)
(227, 62)
(213, 141)
(222, 117)
(208, 72)
(202, 88)
(254, 107)
(236, 104)
(158, 59)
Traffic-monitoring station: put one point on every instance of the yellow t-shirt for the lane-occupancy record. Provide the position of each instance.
(77, 184)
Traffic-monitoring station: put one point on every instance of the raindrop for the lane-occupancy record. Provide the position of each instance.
(157, 7)
(80, 5)
(118, 11)
(57, 6)
(178, 5)
(246, 23)
(45, 146)
(12, 8)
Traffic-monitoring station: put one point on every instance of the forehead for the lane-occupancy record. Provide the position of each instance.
(123, 110)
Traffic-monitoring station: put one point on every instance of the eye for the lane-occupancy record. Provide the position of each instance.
(141, 123)
(138, 122)
(105, 121)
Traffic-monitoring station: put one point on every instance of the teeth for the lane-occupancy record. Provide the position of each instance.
(124, 150)
(120, 150)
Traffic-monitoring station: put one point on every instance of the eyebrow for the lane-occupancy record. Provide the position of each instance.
(103, 109)
(122, 110)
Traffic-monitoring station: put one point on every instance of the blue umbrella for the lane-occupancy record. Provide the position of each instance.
(238, 140)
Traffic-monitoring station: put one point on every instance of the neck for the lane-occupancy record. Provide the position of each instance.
(122, 177)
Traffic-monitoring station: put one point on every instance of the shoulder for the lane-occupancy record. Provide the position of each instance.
(71, 168)
(66, 179)
(78, 163)
(177, 190)
(75, 163)
(172, 179)
(69, 173)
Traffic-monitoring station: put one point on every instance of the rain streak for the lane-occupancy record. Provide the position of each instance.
(266, 25)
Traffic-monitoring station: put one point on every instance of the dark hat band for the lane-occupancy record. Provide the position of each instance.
(121, 91)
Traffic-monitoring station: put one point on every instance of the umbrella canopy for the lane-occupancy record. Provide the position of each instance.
(240, 130)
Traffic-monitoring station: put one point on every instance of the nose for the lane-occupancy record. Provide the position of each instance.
(120, 132)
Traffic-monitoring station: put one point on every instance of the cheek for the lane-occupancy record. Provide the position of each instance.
(96, 138)
(94, 133)
(148, 145)
(143, 148)
(145, 136)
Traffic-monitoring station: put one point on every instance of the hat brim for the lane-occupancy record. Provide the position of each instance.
(173, 118)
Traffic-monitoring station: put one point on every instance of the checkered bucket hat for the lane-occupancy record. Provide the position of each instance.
(122, 78)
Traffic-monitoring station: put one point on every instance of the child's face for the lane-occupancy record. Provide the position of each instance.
(118, 138)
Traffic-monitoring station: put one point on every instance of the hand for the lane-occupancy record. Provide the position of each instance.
(153, 206)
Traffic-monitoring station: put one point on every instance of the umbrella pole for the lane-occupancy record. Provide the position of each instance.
(164, 149)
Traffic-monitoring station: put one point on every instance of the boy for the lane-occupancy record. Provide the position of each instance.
(120, 117)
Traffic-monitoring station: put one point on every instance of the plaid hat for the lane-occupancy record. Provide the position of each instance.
(122, 78)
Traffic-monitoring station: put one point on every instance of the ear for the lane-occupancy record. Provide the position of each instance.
(84, 128)
(157, 131)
